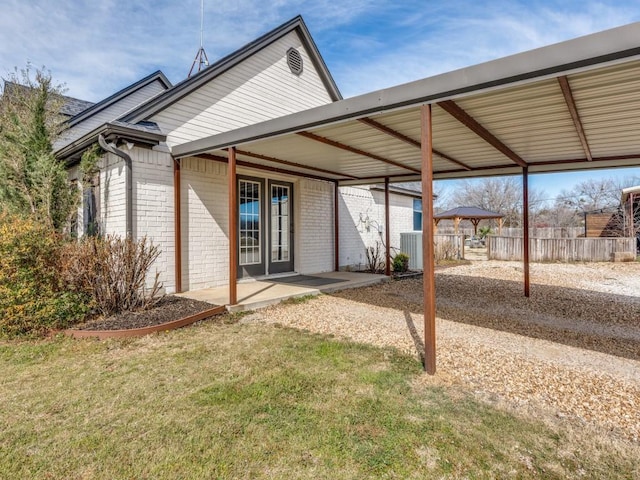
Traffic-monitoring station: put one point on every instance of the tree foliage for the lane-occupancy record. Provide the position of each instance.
(33, 183)
(34, 297)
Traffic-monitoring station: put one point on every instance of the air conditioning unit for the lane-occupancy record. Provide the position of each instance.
(411, 244)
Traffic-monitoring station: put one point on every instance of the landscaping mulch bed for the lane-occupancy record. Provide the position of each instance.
(168, 309)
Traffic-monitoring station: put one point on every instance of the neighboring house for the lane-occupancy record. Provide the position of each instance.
(139, 183)
(362, 219)
(623, 221)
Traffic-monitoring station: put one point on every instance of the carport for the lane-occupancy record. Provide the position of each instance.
(570, 106)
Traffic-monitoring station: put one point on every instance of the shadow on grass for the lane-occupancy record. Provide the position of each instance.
(597, 321)
(417, 339)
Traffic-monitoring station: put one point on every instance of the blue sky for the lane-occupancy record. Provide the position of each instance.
(97, 48)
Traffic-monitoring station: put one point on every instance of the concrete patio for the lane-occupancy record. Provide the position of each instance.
(258, 293)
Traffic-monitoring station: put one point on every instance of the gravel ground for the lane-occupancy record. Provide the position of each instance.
(571, 350)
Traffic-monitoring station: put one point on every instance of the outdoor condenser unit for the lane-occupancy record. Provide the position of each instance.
(411, 244)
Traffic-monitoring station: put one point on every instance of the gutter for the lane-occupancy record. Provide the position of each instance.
(111, 148)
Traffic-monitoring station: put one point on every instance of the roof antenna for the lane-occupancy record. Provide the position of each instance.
(201, 58)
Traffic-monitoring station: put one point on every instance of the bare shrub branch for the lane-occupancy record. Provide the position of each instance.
(114, 271)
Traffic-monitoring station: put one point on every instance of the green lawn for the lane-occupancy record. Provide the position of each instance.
(256, 401)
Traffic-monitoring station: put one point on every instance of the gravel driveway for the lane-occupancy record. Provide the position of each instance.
(572, 349)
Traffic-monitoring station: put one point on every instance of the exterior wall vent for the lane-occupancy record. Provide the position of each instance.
(294, 60)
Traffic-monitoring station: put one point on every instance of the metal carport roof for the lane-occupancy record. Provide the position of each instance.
(572, 105)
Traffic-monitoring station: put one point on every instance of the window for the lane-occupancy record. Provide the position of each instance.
(417, 214)
(89, 212)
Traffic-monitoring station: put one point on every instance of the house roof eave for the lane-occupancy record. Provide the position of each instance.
(71, 153)
(97, 107)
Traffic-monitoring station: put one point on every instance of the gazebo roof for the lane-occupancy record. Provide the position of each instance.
(467, 213)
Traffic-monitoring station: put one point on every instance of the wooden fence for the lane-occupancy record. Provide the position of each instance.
(538, 232)
(545, 232)
(448, 247)
(560, 249)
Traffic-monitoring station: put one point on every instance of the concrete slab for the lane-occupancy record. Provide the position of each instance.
(258, 293)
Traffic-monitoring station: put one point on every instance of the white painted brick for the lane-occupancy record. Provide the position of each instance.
(362, 222)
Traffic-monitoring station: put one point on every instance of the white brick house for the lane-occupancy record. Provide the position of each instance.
(287, 214)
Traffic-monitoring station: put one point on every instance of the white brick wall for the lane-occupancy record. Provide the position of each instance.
(153, 208)
(205, 218)
(204, 197)
(112, 196)
(152, 175)
(315, 235)
(362, 222)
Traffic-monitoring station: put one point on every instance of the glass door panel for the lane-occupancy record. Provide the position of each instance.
(250, 227)
(281, 227)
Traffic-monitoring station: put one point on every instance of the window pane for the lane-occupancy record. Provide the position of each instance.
(417, 214)
(249, 222)
(279, 223)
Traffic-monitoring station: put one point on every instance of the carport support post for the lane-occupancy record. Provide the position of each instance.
(387, 233)
(177, 225)
(233, 227)
(336, 226)
(428, 279)
(525, 228)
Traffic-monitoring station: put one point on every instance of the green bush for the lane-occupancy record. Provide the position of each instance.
(401, 263)
(33, 296)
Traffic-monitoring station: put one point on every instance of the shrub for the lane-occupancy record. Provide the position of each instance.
(33, 296)
(375, 258)
(113, 273)
(484, 231)
(446, 250)
(401, 262)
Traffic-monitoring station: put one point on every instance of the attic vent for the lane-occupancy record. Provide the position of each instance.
(294, 60)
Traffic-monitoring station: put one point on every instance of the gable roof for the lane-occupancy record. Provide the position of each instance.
(467, 212)
(188, 85)
(410, 189)
(71, 106)
(97, 107)
(74, 106)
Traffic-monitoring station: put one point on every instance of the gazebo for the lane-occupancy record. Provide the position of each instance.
(473, 214)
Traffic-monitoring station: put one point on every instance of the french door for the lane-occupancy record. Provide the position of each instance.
(265, 227)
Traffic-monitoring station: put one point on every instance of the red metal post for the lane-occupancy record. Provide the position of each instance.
(525, 228)
(387, 236)
(428, 259)
(233, 227)
(177, 225)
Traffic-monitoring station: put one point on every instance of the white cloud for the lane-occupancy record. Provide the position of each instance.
(441, 39)
(97, 48)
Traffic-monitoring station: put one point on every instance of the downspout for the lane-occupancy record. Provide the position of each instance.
(111, 148)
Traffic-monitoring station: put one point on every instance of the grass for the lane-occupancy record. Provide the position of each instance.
(257, 401)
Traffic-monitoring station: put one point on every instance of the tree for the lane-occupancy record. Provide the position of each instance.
(33, 183)
(595, 194)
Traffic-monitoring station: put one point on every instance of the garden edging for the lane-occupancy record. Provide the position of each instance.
(139, 332)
